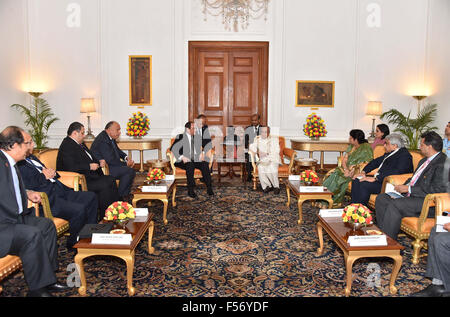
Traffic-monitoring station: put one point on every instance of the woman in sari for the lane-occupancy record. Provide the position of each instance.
(358, 152)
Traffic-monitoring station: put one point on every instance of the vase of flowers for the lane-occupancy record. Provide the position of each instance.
(120, 212)
(156, 175)
(314, 127)
(138, 125)
(309, 177)
(357, 215)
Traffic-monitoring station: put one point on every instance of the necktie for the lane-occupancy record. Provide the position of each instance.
(18, 188)
(116, 148)
(192, 148)
(419, 172)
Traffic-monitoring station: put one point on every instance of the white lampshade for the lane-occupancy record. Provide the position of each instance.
(87, 105)
(374, 108)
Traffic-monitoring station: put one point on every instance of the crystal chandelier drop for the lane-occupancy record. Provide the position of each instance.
(235, 12)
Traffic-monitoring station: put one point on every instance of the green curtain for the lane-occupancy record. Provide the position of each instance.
(336, 182)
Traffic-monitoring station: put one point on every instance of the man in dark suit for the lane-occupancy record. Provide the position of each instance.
(189, 155)
(438, 264)
(78, 208)
(396, 160)
(74, 156)
(105, 149)
(202, 132)
(251, 132)
(427, 179)
(23, 234)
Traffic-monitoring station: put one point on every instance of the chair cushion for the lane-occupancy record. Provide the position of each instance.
(181, 173)
(413, 223)
(61, 225)
(283, 171)
(9, 264)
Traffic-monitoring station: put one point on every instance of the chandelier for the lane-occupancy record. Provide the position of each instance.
(234, 12)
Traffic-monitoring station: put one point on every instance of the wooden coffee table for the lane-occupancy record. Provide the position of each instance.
(302, 197)
(162, 195)
(125, 252)
(230, 163)
(339, 232)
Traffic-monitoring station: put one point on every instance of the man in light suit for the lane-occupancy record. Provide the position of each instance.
(251, 132)
(427, 179)
(77, 207)
(74, 156)
(23, 234)
(190, 156)
(105, 149)
(396, 160)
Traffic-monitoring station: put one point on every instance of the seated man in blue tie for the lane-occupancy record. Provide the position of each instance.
(120, 166)
(78, 208)
(31, 238)
(396, 160)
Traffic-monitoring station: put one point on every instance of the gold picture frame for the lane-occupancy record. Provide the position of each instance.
(313, 93)
(140, 72)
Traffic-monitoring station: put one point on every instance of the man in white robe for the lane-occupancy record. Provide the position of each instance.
(267, 150)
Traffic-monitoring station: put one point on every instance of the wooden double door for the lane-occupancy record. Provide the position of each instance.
(228, 82)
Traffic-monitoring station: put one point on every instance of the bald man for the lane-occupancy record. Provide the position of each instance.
(120, 166)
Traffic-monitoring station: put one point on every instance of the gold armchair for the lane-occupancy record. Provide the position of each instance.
(420, 227)
(70, 179)
(284, 170)
(11, 263)
(180, 174)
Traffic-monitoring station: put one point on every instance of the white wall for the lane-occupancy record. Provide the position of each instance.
(13, 67)
(309, 40)
(438, 60)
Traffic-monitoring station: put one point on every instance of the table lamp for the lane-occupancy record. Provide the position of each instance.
(88, 106)
(374, 108)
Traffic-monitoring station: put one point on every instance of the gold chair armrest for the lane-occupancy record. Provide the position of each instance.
(210, 154)
(73, 180)
(290, 153)
(442, 203)
(253, 161)
(398, 179)
(45, 206)
(171, 158)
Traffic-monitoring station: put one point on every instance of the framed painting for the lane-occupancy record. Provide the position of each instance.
(311, 93)
(140, 68)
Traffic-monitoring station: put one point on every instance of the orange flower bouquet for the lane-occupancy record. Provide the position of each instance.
(156, 175)
(314, 126)
(309, 177)
(357, 215)
(138, 125)
(120, 211)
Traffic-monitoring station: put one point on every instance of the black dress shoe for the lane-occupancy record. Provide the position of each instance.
(267, 189)
(192, 194)
(276, 191)
(210, 192)
(57, 288)
(432, 291)
(42, 292)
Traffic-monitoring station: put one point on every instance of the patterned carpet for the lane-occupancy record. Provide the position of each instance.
(241, 243)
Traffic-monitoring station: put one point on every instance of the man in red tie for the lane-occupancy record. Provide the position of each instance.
(428, 178)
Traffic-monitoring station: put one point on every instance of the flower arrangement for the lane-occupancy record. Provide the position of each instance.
(357, 214)
(156, 174)
(138, 124)
(120, 211)
(314, 126)
(309, 176)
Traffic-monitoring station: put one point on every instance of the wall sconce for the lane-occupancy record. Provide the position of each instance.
(419, 102)
(374, 108)
(88, 106)
(35, 94)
